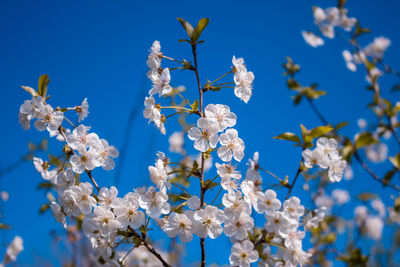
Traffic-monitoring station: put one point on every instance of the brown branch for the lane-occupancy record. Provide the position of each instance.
(202, 189)
(150, 248)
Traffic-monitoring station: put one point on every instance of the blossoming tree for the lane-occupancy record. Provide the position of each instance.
(119, 227)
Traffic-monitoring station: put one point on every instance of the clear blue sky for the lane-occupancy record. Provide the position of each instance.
(97, 49)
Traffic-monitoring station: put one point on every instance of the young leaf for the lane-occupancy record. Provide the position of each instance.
(30, 90)
(365, 139)
(43, 82)
(289, 136)
(199, 29)
(186, 25)
(320, 131)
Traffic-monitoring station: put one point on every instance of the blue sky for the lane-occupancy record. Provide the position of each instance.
(97, 49)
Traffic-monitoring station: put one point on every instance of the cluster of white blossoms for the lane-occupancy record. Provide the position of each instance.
(12, 251)
(326, 20)
(326, 156)
(374, 50)
(108, 220)
(243, 79)
(371, 222)
(160, 79)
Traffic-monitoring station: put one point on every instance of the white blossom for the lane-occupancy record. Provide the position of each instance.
(312, 39)
(204, 136)
(243, 254)
(243, 80)
(179, 224)
(231, 146)
(208, 222)
(83, 110)
(128, 214)
(220, 115)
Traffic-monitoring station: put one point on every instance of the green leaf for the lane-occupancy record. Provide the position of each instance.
(288, 136)
(187, 26)
(195, 105)
(43, 82)
(395, 161)
(199, 29)
(292, 84)
(340, 125)
(365, 139)
(319, 131)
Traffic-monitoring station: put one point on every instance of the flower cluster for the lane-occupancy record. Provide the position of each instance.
(326, 156)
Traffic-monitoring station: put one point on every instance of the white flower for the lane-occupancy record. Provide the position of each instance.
(243, 254)
(152, 113)
(58, 214)
(205, 136)
(64, 180)
(29, 110)
(231, 145)
(229, 184)
(295, 256)
(179, 224)
(220, 115)
(193, 202)
(154, 202)
(340, 196)
(250, 192)
(227, 171)
(106, 154)
(293, 209)
(43, 169)
(348, 58)
(292, 237)
(234, 204)
(252, 172)
(83, 110)
(105, 219)
(313, 218)
(83, 197)
(267, 202)
(324, 201)
(319, 15)
(377, 48)
(276, 222)
(85, 160)
(377, 152)
(108, 197)
(13, 250)
(128, 214)
(80, 138)
(312, 39)
(154, 59)
(238, 226)
(208, 222)
(48, 119)
(243, 80)
(315, 157)
(336, 169)
(159, 176)
(374, 226)
(373, 75)
(176, 142)
(160, 82)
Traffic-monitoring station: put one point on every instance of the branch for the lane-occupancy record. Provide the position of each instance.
(202, 189)
(357, 156)
(151, 249)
